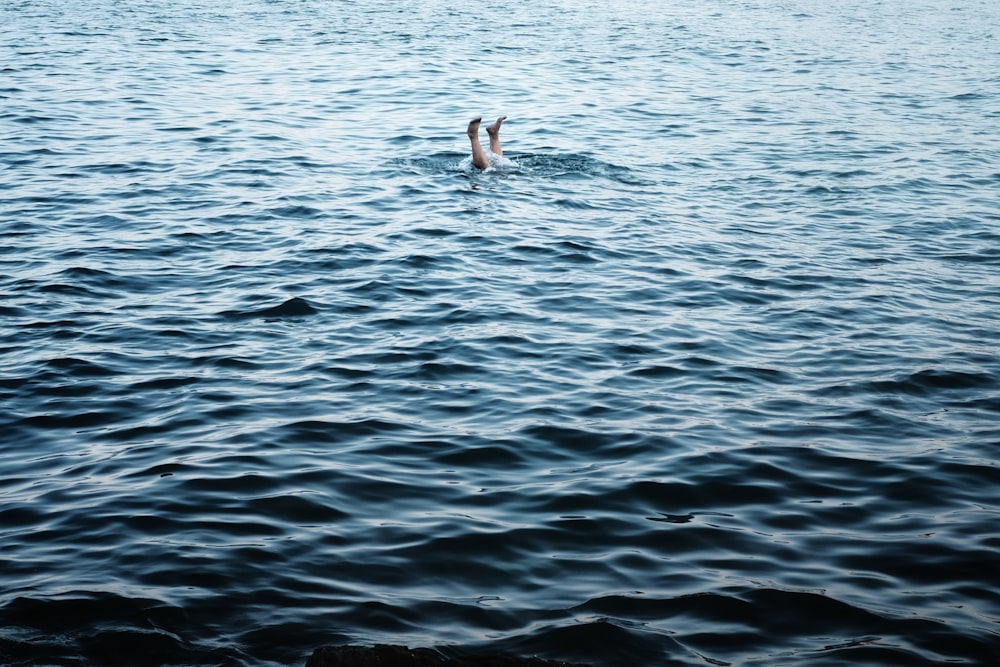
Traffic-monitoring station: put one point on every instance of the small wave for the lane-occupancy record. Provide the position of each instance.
(131, 629)
(969, 97)
(294, 307)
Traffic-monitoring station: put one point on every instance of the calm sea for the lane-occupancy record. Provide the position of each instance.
(707, 374)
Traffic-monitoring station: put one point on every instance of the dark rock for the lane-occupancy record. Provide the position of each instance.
(384, 655)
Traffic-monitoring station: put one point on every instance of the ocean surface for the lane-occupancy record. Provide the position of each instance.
(706, 373)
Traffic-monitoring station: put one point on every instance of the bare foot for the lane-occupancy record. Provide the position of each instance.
(473, 127)
(495, 127)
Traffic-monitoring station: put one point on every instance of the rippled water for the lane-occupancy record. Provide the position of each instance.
(709, 375)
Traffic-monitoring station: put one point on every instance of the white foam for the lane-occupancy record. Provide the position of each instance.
(498, 163)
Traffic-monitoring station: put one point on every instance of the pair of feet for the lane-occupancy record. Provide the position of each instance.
(479, 157)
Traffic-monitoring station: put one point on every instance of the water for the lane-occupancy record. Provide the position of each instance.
(708, 375)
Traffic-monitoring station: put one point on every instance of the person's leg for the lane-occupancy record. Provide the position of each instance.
(479, 158)
(494, 132)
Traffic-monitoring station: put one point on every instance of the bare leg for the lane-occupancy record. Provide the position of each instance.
(494, 132)
(479, 158)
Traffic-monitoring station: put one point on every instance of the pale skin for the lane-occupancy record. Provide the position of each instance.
(479, 158)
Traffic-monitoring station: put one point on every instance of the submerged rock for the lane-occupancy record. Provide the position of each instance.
(384, 655)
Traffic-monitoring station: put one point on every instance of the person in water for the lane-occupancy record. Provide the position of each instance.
(479, 157)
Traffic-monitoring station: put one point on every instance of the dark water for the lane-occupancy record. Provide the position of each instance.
(708, 375)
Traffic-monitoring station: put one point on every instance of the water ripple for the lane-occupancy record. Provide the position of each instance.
(705, 373)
